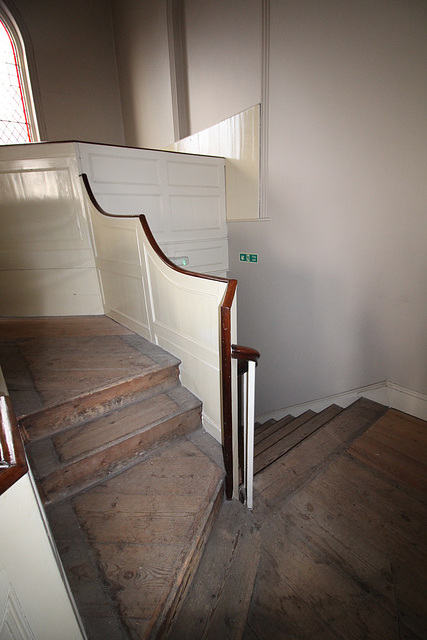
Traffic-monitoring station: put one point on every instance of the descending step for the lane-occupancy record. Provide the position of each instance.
(283, 428)
(131, 545)
(263, 433)
(218, 599)
(78, 456)
(305, 425)
(288, 473)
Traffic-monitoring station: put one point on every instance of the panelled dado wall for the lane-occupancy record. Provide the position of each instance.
(47, 265)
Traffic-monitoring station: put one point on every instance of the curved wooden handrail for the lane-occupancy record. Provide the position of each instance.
(239, 352)
(225, 337)
(244, 355)
(13, 464)
(226, 354)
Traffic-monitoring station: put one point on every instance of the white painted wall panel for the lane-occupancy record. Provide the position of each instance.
(176, 311)
(182, 196)
(46, 259)
(35, 603)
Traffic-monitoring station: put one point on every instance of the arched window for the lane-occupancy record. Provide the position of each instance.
(17, 117)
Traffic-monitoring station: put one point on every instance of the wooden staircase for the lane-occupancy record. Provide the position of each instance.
(130, 482)
(133, 487)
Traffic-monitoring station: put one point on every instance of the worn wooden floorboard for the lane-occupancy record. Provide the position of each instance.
(144, 528)
(218, 600)
(344, 552)
(388, 449)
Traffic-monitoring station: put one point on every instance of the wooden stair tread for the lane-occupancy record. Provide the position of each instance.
(286, 427)
(65, 370)
(291, 472)
(145, 530)
(218, 599)
(93, 398)
(294, 438)
(279, 424)
(81, 456)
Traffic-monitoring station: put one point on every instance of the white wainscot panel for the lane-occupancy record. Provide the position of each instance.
(186, 213)
(202, 379)
(184, 311)
(151, 205)
(191, 174)
(124, 297)
(123, 169)
(39, 207)
(50, 292)
(205, 256)
(116, 241)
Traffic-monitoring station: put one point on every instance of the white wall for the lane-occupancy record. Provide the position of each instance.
(223, 41)
(143, 59)
(73, 68)
(342, 271)
(338, 297)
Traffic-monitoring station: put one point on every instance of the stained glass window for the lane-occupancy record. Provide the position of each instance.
(14, 121)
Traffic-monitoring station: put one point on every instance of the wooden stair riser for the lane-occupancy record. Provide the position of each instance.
(77, 410)
(265, 425)
(261, 434)
(71, 478)
(295, 438)
(285, 429)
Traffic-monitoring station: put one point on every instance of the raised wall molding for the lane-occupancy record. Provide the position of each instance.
(265, 106)
(178, 68)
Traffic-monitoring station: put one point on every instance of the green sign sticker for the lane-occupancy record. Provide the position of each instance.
(248, 257)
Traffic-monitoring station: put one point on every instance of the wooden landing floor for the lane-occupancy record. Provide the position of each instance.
(45, 360)
(344, 556)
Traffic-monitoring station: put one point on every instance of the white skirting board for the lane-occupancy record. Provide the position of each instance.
(387, 393)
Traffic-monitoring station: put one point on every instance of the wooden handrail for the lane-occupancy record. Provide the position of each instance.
(225, 337)
(244, 355)
(13, 464)
(226, 352)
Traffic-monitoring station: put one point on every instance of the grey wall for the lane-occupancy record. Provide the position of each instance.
(74, 71)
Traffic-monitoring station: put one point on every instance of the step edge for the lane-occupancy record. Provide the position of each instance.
(117, 467)
(327, 421)
(85, 415)
(160, 625)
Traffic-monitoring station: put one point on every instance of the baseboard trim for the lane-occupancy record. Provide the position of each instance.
(387, 393)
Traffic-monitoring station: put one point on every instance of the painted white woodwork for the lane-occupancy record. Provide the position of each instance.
(248, 413)
(181, 195)
(35, 602)
(46, 259)
(179, 312)
(238, 140)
